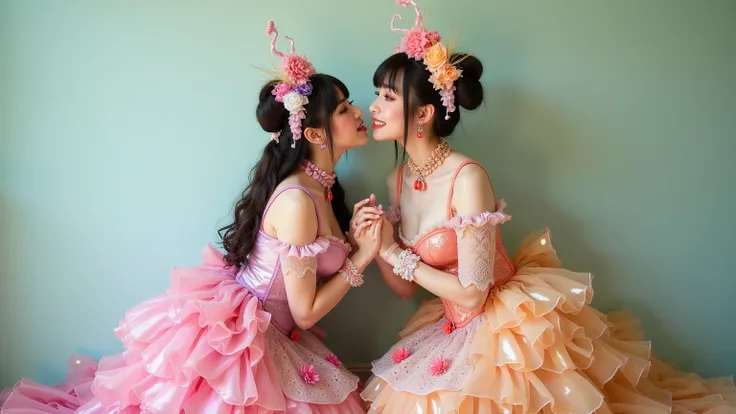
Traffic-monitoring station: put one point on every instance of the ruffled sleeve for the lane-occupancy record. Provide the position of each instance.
(476, 247)
(299, 261)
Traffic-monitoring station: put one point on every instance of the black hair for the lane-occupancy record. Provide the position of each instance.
(279, 160)
(418, 91)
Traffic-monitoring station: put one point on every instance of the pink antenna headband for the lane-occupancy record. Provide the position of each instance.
(420, 44)
(294, 88)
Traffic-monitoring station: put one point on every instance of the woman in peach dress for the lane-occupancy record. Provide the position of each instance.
(505, 335)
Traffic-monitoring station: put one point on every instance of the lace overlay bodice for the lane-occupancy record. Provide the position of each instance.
(271, 259)
(469, 247)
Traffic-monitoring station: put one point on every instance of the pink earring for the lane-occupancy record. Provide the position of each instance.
(420, 130)
(322, 147)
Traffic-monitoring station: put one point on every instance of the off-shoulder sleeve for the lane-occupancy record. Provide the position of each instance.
(300, 261)
(476, 247)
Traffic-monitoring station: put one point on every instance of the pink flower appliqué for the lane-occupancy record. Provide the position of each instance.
(280, 90)
(332, 359)
(438, 366)
(400, 355)
(294, 335)
(309, 374)
(448, 327)
(434, 37)
(297, 68)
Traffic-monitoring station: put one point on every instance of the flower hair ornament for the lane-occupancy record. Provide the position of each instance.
(294, 87)
(420, 44)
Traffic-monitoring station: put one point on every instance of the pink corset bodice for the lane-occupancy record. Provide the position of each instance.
(262, 274)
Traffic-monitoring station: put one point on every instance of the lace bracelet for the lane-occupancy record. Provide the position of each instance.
(406, 265)
(351, 274)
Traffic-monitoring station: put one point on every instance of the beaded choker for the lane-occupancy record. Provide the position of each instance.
(321, 176)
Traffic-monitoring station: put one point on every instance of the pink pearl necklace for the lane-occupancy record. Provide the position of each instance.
(323, 177)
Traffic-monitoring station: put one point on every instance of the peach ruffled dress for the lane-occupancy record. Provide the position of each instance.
(536, 346)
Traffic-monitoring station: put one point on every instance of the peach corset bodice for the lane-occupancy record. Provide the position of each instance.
(438, 247)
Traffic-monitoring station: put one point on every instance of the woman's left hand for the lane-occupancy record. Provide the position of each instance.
(364, 213)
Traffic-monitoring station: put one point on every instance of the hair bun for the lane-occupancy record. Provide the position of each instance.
(271, 114)
(468, 89)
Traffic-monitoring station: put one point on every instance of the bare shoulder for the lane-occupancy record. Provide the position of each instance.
(472, 176)
(471, 169)
(473, 192)
(302, 226)
(456, 159)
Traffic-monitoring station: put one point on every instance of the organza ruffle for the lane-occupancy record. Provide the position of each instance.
(690, 393)
(458, 222)
(542, 348)
(202, 347)
(28, 397)
(478, 220)
(320, 245)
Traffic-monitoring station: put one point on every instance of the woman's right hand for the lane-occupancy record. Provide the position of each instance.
(369, 242)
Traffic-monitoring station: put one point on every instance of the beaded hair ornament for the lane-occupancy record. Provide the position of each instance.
(420, 44)
(294, 86)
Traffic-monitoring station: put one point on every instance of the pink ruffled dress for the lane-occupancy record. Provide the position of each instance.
(219, 341)
(536, 346)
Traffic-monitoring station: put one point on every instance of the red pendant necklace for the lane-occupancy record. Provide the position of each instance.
(434, 161)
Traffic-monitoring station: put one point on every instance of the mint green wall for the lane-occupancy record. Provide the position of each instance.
(127, 131)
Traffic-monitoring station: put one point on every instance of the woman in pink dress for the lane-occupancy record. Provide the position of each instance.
(233, 335)
(504, 335)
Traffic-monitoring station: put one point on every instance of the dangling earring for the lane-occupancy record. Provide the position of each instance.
(420, 130)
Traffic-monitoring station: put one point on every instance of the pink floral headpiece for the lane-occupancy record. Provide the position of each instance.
(294, 87)
(420, 44)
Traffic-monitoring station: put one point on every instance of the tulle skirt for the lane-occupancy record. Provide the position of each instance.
(204, 346)
(537, 348)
